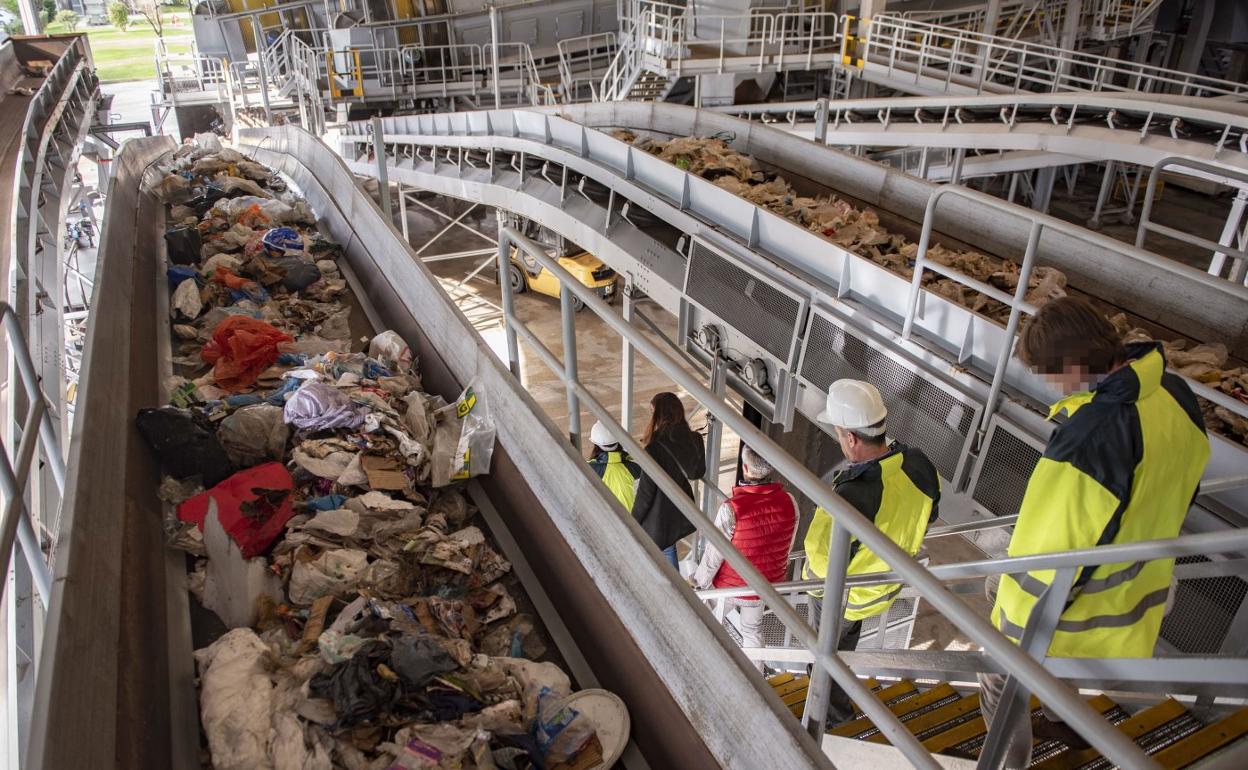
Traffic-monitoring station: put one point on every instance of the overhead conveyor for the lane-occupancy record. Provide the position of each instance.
(789, 309)
(1141, 128)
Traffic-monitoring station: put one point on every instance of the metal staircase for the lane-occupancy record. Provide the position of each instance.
(948, 721)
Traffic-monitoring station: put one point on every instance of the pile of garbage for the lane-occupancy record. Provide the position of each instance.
(859, 231)
(370, 623)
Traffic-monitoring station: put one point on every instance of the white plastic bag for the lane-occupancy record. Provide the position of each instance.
(464, 441)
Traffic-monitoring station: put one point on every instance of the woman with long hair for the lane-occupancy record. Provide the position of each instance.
(682, 454)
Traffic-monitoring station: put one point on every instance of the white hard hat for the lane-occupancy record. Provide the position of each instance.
(601, 435)
(855, 405)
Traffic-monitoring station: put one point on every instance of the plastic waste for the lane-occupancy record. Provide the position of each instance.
(464, 440)
(235, 698)
(254, 434)
(186, 301)
(332, 573)
(318, 406)
(390, 349)
(182, 244)
(184, 447)
(253, 506)
(240, 349)
(283, 241)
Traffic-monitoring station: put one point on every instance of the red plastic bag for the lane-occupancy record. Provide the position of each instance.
(254, 217)
(253, 506)
(240, 349)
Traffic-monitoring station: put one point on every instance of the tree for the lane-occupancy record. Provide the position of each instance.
(68, 19)
(150, 11)
(119, 15)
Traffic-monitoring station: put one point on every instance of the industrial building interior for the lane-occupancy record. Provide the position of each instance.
(307, 347)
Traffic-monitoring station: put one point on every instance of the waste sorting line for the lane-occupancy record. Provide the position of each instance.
(860, 231)
(366, 620)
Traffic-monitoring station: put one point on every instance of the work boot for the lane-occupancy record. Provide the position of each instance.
(1046, 729)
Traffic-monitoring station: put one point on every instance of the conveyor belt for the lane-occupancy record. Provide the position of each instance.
(117, 667)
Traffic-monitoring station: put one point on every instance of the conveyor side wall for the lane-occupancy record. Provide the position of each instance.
(1175, 296)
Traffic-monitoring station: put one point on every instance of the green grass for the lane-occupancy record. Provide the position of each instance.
(130, 55)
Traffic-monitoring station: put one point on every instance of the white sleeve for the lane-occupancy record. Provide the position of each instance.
(711, 557)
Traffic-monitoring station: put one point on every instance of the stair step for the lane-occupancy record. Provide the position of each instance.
(908, 708)
(893, 697)
(1137, 726)
(1204, 741)
(969, 735)
(791, 690)
(932, 722)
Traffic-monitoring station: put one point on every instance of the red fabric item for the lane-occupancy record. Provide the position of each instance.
(240, 349)
(256, 529)
(230, 279)
(766, 521)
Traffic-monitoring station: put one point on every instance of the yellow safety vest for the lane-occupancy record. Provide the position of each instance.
(900, 493)
(1124, 468)
(618, 471)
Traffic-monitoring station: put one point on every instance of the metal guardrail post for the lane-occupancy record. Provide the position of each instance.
(821, 122)
(714, 433)
(1146, 223)
(819, 691)
(567, 317)
(379, 155)
(508, 301)
(627, 360)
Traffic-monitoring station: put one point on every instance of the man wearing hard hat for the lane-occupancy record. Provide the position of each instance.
(893, 485)
(615, 467)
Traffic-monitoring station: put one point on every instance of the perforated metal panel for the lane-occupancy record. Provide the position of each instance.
(1005, 466)
(1202, 612)
(750, 303)
(920, 413)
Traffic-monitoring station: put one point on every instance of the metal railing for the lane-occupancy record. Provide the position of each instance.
(986, 63)
(1221, 250)
(1027, 670)
(583, 61)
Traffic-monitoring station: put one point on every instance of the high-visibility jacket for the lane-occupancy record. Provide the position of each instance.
(900, 493)
(1125, 467)
(764, 519)
(618, 471)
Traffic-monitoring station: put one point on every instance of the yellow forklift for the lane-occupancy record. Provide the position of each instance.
(526, 274)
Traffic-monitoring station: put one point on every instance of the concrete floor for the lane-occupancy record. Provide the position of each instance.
(599, 366)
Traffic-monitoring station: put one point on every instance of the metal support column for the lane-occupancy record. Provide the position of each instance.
(567, 316)
(626, 366)
(714, 435)
(819, 691)
(498, 102)
(991, 14)
(821, 121)
(1069, 36)
(509, 307)
(1043, 189)
(955, 174)
(379, 155)
(1102, 197)
(403, 214)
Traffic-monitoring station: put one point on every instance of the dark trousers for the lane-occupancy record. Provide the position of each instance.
(840, 707)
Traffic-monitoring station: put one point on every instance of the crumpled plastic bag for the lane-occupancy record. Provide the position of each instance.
(240, 349)
(186, 300)
(235, 700)
(463, 443)
(254, 434)
(417, 659)
(318, 406)
(174, 188)
(390, 349)
(332, 573)
(253, 506)
(184, 447)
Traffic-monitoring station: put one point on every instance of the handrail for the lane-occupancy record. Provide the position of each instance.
(1201, 544)
(1220, 250)
(1055, 694)
(984, 62)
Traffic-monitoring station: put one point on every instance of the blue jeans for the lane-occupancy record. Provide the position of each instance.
(669, 553)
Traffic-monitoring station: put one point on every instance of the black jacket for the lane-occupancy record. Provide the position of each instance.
(684, 459)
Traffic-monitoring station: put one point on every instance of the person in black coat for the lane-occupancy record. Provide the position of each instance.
(682, 453)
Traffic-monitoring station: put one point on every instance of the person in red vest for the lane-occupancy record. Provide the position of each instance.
(761, 520)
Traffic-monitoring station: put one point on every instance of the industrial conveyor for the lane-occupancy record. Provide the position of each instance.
(118, 630)
(828, 312)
